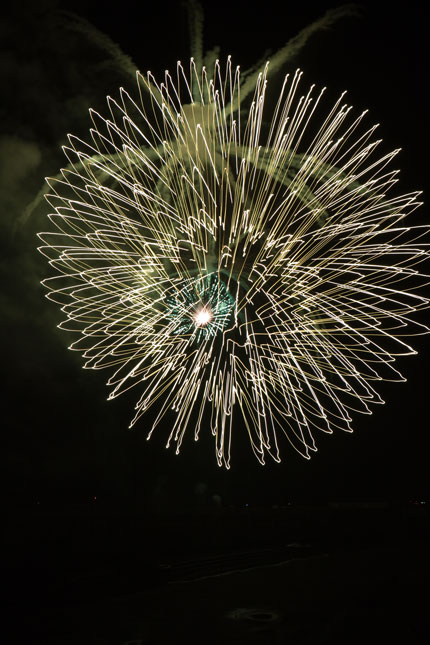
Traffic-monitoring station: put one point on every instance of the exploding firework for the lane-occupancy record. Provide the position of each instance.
(236, 263)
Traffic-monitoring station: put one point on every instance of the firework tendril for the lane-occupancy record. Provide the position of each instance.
(236, 262)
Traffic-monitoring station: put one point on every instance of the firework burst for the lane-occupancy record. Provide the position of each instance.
(236, 263)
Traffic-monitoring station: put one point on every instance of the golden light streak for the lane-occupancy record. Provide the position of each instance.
(235, 264)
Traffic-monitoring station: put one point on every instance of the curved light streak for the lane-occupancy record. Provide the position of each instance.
(236, 263)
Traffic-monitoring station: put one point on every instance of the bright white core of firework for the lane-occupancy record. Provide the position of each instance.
(203, 317)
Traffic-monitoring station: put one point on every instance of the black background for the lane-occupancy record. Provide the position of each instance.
(94, 510)
(66, 444)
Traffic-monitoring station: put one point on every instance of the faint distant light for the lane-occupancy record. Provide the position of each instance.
(254, 615)
(246, 504)
(94, 498)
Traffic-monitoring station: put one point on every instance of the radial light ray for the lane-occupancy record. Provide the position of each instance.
(240, 267)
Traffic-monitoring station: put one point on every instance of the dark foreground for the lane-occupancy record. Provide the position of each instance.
(361, 579)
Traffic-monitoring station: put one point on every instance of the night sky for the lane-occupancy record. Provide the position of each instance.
(65, 443)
